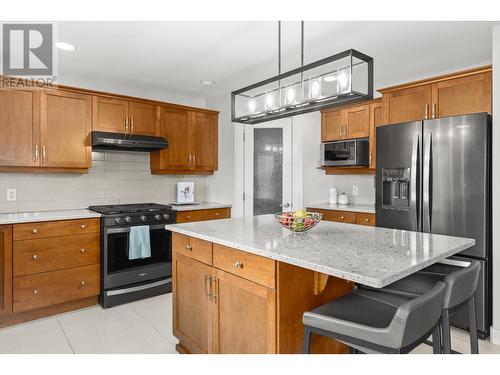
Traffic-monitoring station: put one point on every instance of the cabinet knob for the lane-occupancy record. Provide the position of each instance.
(216, 214)
(82, 283)
(239, 265)
(190, 248)
(34, 231)
(342, 218)
(82, 251)
(189, 217)
(83, 226)
(35, 257)
(35, 291)
(367, 220)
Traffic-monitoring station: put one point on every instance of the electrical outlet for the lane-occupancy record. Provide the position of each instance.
(11, 194)
(355, 190)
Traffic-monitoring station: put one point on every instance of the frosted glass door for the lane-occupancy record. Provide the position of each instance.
(267, 168)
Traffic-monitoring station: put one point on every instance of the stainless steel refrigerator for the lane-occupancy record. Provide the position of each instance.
(434, 176)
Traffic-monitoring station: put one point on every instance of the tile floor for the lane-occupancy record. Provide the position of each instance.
(140, 327)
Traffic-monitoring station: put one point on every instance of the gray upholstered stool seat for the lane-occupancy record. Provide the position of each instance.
(461, 283)
(372, 321)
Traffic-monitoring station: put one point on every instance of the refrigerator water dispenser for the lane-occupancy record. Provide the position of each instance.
(395, 188)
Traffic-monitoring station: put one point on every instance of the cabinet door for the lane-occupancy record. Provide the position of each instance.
(109, 115)
(5, 270)
(357, 120)
(411, 104)
(244, 316)
(192, 308)
(376, 119)
(203, 135)
(331, 125)
(470, 94)
(65, 126)
(174, 128)
(19, 126)
(144, 118)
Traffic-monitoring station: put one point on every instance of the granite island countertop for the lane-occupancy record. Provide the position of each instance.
(365, 208)
(367, 255)
(29, 217)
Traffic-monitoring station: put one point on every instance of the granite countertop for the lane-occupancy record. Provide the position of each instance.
(367, 255)
(199, 206)
(28, 217)
(366, 208)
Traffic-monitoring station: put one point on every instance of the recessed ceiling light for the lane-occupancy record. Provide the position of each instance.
(207, 82)
(65, 46)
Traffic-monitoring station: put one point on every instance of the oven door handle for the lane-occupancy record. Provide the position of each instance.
(127, 229)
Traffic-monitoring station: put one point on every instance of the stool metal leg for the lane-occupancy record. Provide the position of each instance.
(445, 318)
(436, 339)
(474, 344)
(307, 341)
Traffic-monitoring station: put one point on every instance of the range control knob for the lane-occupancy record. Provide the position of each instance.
(166, 216)
(157, 217)
(143, 217)
(128, 219)
(117, 220)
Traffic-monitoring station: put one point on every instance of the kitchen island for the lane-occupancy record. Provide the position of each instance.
(241, 285)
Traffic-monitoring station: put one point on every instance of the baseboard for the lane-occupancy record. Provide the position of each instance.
(495, 335)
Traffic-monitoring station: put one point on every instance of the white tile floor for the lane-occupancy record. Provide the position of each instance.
(139, 327)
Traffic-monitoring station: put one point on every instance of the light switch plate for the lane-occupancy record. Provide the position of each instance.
(355, 190)
(11, 194)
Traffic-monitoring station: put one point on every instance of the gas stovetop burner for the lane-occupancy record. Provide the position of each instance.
(130, 208)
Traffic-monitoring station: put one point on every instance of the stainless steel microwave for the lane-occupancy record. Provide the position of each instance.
(354, 152)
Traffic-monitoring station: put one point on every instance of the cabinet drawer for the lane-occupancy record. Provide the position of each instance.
(52, 288)
(55, 253)
(216, 213)
(363, 218)
(192, 247)
(189, 216)
(249, 266)
(342, 216)
(46, 229)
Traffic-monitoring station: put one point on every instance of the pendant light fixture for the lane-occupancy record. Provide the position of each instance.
(339, 79)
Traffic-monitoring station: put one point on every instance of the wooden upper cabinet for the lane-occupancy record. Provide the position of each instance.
(173, 127)
(203, 134)
(244, 316)
(192, 306)
(144, 118)
(450, 95)
(357, 122)
(19, 127)
(331, 125)
(110, 114)
(469, 94)
(410, 104)
(65, 126)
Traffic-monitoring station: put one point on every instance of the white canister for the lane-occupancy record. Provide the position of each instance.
(343, 199)
(332, 196)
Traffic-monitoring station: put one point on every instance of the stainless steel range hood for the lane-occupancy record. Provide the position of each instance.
(126, 142)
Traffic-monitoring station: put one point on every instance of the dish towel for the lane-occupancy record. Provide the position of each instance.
(139, 245)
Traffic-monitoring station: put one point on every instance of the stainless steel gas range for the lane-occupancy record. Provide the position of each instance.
(125, 278)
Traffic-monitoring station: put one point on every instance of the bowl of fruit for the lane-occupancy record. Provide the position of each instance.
(299, 221)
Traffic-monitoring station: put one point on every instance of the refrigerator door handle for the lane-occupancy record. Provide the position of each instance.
(426, 194)
(413, 184)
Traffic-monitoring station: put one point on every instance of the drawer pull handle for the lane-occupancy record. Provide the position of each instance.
(34, 231)
(35, 291)
(216, 214)
(342, 218)
(239, 265)
(190, 248)
(82, 283)
(82, 251)
(35, 257)
(189, 217)
(367, 220)
(83, 226)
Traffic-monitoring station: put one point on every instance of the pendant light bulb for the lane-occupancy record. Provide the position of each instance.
(315, 89)
(343, 80)
(290, 95)
(269, 101)
(252, 106)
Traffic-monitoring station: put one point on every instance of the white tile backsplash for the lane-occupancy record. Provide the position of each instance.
(115, 177)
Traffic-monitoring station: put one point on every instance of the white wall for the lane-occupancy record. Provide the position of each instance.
(495, 329)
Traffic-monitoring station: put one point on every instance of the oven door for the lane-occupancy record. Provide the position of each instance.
(119, 270)
(341, 153)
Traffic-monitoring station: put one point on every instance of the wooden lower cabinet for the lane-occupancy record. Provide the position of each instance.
(228, 311)
(199, 215)
(349, 217)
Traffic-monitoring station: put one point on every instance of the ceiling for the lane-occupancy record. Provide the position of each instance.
(175, 56)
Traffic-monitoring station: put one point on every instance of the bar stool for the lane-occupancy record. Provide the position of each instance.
(461, 285)
(375, 322)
